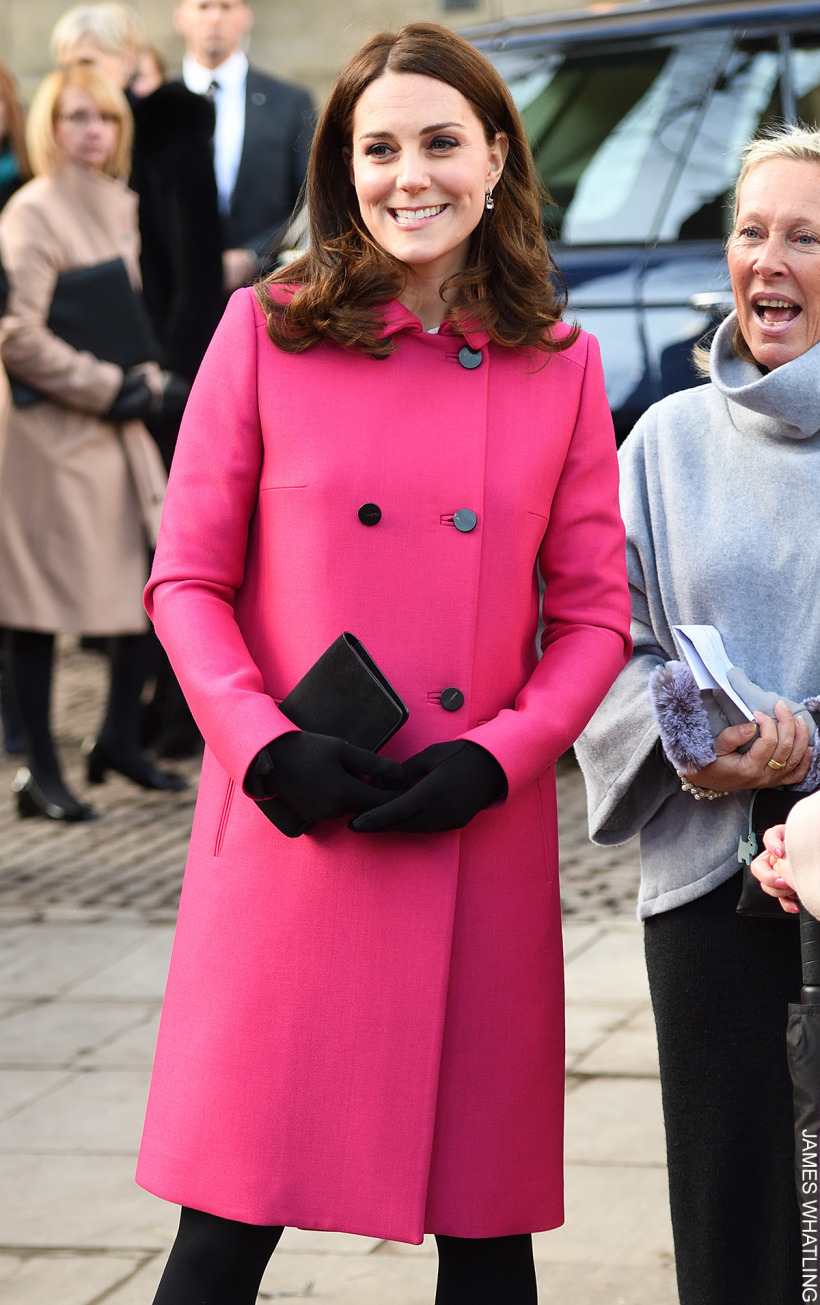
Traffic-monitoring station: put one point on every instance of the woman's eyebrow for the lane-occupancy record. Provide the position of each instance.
(436, 126)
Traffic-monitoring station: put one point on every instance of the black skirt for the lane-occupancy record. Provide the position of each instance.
(720, 986)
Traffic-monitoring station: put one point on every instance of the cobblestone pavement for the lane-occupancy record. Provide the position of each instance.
(132, 858)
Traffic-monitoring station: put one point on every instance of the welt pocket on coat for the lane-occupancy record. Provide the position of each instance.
(264, 489)
(223, 819)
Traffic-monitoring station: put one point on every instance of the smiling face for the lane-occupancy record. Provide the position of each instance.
(774, 260)
(84, 133)
(421, 165)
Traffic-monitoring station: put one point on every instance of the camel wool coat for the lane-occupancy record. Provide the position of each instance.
(73, 556)
(365, 1032)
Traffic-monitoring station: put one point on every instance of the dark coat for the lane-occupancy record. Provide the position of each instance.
(181, 258)
(8, 188)
(278, 132)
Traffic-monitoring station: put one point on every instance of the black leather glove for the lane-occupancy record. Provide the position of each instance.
(134, 401)
(451, 782)
(321, 777)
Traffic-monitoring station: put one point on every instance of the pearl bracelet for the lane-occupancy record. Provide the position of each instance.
(697, 792)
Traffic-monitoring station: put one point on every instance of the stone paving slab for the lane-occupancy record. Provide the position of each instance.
(64, 1279)
(139, 973)
(613, 971)
(94, 1111)
(52, 1201)
(41, 960)
(51, 1034)
(133, 1050)
(631, 1049)
(615, 1215)
(587, 1026)
(22, 1088)
(614, 1121)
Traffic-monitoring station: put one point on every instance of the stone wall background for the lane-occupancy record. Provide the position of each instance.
(306, 40)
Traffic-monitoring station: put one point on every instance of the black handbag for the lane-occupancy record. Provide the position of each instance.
(97, 310)
(769, 806)
(344, 694)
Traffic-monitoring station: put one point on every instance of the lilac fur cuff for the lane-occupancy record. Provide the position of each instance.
(812, 780)
(677, 706)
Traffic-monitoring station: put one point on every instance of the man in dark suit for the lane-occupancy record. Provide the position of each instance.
(262, 136)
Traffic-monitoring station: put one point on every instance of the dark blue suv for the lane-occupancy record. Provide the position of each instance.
(637, 114)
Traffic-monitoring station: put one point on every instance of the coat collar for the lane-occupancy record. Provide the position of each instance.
(784, 402)
(395, 318)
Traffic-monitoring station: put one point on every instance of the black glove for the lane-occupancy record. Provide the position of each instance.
(134, 401)
(165, 416)
(451, 782)
(321, 777)
(175, 391)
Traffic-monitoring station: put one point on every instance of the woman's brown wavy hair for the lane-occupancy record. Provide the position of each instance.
(15, 129)
(510, 286)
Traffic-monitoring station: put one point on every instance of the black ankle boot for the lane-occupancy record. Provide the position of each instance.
(32, 801)
(134, 765)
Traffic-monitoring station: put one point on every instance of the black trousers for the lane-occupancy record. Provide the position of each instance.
(218, 1261)
(720, 987)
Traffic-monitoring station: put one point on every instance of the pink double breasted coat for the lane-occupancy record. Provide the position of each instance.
(365, 1033)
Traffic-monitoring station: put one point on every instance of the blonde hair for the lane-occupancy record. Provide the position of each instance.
(792, 141)
(797, 142)
(45, 154)
(114, 28)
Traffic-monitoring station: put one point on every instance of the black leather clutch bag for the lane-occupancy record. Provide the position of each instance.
(96, 309)
(346, 695)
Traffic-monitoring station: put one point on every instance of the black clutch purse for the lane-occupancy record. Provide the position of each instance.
(769, 806)
(97, 310)
(344, 694)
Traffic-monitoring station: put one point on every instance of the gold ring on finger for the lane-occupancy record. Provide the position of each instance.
(775, 765)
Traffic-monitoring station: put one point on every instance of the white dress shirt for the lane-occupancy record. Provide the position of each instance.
(229, 102)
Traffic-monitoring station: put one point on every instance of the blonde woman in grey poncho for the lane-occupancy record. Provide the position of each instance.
(721, 499)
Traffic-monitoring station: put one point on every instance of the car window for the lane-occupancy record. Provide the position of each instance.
(607, 132)
(575, 112)
(745, 99)
(646, 146)
(805, 78)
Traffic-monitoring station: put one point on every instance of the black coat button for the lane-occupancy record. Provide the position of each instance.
(465, 520)
(370, 514)
(452, 699)
(470, 358)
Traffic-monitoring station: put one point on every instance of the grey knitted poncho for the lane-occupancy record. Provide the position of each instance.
(720, 493)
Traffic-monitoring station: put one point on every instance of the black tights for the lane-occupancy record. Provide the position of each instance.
(31, 666)
(220, 1262)
(486, 1271)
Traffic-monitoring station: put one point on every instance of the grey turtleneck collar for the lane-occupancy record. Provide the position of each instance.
(787, 397)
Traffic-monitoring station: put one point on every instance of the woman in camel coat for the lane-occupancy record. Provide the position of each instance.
(73, 554)
(363, 1027)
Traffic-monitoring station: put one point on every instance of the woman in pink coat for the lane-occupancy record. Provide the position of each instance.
(363, 1026)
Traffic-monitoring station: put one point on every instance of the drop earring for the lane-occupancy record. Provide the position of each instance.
(489, 202)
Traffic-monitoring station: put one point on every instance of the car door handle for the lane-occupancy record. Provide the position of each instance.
(710, 301)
